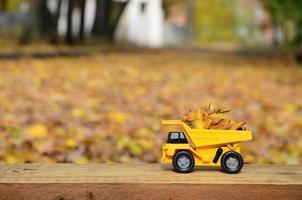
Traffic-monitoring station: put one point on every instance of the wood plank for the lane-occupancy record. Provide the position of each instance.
(146, 173)
(147, 181)
(146, 191)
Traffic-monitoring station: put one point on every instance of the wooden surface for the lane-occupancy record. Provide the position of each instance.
(121, 181)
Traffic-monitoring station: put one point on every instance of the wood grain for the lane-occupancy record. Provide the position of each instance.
(121, 181)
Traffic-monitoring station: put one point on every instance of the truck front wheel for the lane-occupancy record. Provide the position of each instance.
(231, 162)
(183, 162)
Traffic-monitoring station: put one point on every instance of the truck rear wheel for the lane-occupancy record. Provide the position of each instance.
(231, 162)
(183, 162)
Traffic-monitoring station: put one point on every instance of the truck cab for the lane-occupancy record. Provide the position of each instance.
(176, 141)
(177, 138)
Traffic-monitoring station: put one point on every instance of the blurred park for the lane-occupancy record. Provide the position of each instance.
(89, 80)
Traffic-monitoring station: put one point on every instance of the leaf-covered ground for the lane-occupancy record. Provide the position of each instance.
(107, 107)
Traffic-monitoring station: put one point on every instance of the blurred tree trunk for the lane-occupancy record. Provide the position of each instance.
(107, 17)
(190, 18)
(102, 21)
(3, 5)
(276, 34)
(69, 37)
(82, 26)
(55, 37)
(120, 9)
(44, 18)
(298, 53)
(34, 22)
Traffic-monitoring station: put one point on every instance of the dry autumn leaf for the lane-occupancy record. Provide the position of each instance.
(36, 131)
(207, 118)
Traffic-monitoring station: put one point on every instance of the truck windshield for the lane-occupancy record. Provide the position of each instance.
(177, 138)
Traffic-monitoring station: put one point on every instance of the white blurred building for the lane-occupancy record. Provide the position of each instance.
(141, 23)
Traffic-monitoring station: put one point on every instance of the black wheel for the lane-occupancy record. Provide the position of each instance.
(183, 162)
(231, 162)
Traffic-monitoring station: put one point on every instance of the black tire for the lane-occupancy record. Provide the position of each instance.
(187, 160)
(231, 162)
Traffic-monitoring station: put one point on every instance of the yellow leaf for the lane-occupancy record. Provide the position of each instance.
(146, 144)
(11, 159)
(78, 113)
(60, 132)
(37, 131)
(70, 143)
(236, 125)
(144, 132)
(139, 90)
(122, 143)
(118, 117)
(81, 160)
(290, 107)
(135, 148)
(249, 158)
(300, 122)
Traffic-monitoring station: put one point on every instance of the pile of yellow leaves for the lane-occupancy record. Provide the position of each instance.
(207, 118)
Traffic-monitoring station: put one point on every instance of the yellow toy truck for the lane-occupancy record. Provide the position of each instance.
(187, 147)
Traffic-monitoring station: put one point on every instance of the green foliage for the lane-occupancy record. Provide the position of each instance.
(11, 5)
(215, 20)
(284, 13)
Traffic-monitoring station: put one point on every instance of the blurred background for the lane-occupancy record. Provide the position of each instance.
(88, 80)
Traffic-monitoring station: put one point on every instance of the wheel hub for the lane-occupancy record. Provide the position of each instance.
(183, 162)
(232, 163)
